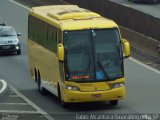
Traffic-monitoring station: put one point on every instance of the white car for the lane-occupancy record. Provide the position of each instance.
(9, 41)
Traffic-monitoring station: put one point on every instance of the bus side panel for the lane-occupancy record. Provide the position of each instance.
(47, 63)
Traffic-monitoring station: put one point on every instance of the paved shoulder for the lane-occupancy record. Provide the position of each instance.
(17, 107)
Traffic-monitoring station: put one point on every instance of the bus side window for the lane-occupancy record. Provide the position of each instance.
(52, 39)
(59, 36)
(49, 38)
(29, 27)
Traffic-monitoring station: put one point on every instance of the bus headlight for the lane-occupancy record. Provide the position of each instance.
(72, 88)
(116, 85)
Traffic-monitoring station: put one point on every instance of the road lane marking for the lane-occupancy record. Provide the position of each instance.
(4, 85)
(14, 104)
(20, 112)
(19, 4)
(39, 110)
(144, 65)
(125, 5)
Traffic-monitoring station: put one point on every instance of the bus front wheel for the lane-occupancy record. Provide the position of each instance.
(64, 104)
(113, 102)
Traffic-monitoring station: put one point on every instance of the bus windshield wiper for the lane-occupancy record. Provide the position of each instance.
(103, 69)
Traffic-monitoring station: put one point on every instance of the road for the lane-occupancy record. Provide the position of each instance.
(142, 82)
(152, 9)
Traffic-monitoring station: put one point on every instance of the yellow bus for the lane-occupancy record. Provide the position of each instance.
(76, 54)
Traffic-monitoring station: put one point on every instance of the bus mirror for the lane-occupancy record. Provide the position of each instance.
(61, 52)
(126, 48)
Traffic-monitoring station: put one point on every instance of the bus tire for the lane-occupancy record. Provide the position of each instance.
(113, 102)
(35, 75)
(64, 104)
(40, 88)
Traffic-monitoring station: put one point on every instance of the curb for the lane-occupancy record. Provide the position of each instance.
(4, 90)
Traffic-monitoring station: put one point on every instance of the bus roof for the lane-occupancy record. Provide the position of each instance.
(71, 17)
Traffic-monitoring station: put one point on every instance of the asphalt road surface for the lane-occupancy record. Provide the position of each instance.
(142, 82)
(152, 9)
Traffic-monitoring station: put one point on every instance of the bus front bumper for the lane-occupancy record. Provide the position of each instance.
(79, 96)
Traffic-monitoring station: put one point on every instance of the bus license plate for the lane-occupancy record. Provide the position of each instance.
(96, 95)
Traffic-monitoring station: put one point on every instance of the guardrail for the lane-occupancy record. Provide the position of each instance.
(142, 43)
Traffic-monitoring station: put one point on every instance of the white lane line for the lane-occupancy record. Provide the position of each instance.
(19, 112)
(4, 85)
(144, 65)
(17, 3)
(14, 104)
(45, 114)
(125, 5)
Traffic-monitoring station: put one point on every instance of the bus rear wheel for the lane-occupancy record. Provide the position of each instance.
(113, 102)
(35, 75)
(40, 88)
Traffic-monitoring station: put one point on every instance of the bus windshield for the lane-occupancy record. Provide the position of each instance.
(93, 55)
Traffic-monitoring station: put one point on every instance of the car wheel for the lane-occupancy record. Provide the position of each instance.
(18, 52)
